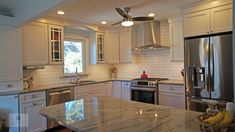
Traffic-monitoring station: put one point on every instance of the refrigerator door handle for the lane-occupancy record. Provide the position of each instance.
(211, 67)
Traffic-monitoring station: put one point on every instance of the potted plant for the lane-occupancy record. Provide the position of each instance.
(114, 72)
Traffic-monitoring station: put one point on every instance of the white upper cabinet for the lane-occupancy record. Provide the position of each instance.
(97, 48)
(35, 44)
(207, 21)
(176, 39)
(10, 50)
(197, 23)
(112, 47)
(56, 44)
(221, 18)
(125, 46)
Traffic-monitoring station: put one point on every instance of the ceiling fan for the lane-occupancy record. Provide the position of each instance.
(129, 20)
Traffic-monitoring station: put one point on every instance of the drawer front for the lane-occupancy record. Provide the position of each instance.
(11, 86)
(30, 97)
(126, 84)
(171, 88)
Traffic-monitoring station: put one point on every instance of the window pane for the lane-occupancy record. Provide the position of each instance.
(73, 57)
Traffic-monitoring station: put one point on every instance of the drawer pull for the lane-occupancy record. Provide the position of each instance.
(9, 86)
(34, 104)
(171, 88)
(34, 96)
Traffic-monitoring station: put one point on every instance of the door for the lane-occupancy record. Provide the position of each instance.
(196, 67)
(35, 44)
(221, 67)
(112, 47)
(125, 46)
(33, 121)
(221, 19)
(197, 23)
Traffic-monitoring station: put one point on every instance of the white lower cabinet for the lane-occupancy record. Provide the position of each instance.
(172, 95)
(117, 89)
(84, 91)
(30, 119)
(126, 92)
(109, 89)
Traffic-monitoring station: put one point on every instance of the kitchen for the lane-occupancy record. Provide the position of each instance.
(108, 66)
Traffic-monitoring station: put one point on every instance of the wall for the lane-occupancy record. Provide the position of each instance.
(155, 63)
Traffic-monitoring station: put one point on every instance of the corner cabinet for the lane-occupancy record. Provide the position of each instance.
(11, 67)
(56, 44)
(176, 39)
(97, 48)
(35, 44)
(213, 20)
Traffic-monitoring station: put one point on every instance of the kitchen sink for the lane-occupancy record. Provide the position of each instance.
(82, 81)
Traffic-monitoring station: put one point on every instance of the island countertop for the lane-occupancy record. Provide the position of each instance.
(104, 114)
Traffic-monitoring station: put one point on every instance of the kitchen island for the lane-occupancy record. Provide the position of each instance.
(106, 114)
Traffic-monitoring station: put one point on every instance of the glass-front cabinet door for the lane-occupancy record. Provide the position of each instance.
(100, 48)
(56, 38)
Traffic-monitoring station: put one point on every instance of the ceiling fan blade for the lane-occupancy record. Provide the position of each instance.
(121, 12)
(116, 23)
(142, 18)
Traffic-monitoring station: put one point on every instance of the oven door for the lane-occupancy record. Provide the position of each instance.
(145, 95)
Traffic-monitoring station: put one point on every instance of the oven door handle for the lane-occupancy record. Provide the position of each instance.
(143, 89)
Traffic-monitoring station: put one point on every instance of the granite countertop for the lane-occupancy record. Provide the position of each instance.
(177, 82)
(108, 114)
(61, 85)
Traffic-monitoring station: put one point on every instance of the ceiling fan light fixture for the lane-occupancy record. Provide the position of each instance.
(127, 23)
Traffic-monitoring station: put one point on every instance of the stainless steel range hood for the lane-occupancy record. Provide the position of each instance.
(148, 36)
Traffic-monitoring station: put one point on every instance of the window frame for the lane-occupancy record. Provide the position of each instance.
(83, 41)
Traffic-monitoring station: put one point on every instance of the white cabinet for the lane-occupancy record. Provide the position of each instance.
(197, 23)
(221, 19)
(109, 89)
(172, 95)
(97, 48)
(117, 89)
(90, 90)
(176, 39)
(56, 44)
(11, 66)
(30, 105)
(125, 46)
(126, 92)
(213, 20)
(112, 47)
(35, 44)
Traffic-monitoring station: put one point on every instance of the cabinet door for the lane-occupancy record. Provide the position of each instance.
(30, 117)
(172, 100)
(11, 66)
(109, 89)
(197, 23)
(117, 90)
(35, 44)
(177, 41)
(125, 46)
(126, 91)
(112, 47)
(221, 19)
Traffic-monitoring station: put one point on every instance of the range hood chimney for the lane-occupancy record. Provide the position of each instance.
(148, 35)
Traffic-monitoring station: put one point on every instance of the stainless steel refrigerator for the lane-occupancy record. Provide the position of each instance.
(208, 70)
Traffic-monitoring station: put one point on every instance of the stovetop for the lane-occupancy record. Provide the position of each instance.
(151, 79)
(148, 83)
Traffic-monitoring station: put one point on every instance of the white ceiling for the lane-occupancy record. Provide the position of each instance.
(94, 11)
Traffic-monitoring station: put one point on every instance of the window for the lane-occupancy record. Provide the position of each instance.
(74, 57)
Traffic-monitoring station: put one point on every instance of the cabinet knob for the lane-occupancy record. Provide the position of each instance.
(211, 31)
(207, 32)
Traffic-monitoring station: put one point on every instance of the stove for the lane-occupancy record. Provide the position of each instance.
(145, 90)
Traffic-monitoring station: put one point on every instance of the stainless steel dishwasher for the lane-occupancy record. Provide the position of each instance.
(57, 96)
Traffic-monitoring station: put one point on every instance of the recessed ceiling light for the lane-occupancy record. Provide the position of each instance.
(103, 22)
(60, 12)
(151, 14)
